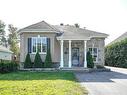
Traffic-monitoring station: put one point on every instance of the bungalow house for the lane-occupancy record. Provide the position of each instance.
(5, 53)
(68, 44)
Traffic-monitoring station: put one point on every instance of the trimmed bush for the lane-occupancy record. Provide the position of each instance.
(28, 63)
(100, 67)
(90, 60)
(48, 60)
(8, 67)
(38, 61)
(116, 54)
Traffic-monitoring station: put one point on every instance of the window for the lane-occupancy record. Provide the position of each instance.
(39, 44)
(94, 53)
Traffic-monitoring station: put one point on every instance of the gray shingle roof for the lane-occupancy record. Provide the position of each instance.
(68, 32)
(120, 38)
(4, 49)
(40, 26)
(78, 33)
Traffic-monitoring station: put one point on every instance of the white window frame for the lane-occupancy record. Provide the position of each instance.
(36, 45)
(94, 54)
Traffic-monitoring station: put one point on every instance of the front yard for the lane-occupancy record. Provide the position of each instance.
(40, 83)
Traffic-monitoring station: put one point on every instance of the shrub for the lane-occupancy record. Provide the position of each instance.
(90, 60)
(8, 67)
(100, 67)
(48, 60)
(38, 61)
(28, 63)
(116, 54)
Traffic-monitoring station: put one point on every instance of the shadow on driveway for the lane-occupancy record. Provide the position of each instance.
(99, 76)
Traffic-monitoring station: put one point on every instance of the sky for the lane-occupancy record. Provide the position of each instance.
(106, 16)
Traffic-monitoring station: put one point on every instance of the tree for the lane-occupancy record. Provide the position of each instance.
(13, 39)
(90, 60)
(77, 25)
(116, 54)
(2, 34)
(28, 63)
(48, 60)
(38, 61)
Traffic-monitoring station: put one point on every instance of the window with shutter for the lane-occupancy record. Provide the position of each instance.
(39, 44)
(94, 53)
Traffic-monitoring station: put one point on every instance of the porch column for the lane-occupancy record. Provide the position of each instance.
(85, 52)
(69, 54)
(61, 60)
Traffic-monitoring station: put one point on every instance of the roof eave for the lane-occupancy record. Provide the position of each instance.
(34, 31)
(61, 38)
(105, 36)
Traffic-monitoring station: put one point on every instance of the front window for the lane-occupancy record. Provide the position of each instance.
(39, 44)
(94, 53)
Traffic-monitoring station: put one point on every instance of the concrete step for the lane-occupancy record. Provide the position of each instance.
(75, 69)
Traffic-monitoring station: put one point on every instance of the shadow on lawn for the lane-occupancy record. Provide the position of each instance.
(25, 75)
(100, 76)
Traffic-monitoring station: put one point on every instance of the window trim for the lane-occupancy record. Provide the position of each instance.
(94, 54)
(36, 45)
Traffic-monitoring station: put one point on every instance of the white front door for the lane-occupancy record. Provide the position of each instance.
(75, 56)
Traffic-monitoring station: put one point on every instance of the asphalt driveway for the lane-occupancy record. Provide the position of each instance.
(105, 83)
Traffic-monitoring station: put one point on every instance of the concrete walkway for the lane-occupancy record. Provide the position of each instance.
(105, 83)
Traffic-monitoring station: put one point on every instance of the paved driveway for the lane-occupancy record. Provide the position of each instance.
(105, 83)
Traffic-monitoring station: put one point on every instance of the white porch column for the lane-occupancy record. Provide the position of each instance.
(69, 54)
(85, 52)
(61, 61)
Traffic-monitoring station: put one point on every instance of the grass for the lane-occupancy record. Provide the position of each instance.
(40, 83)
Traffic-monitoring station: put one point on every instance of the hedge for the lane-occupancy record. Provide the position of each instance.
(28, 63)
(48, 60)
(8, 67)
(38, 61)
(116, 54)
(90, 60)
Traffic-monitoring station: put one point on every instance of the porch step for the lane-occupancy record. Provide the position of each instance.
(75, 69)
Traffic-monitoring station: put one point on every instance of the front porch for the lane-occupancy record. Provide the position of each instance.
(73, 53)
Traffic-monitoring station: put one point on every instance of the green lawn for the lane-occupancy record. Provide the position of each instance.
(40, 83)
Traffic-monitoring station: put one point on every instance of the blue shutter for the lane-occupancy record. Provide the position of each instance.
(29, 45)
(48, 43)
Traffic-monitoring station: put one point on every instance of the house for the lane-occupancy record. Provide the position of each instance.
(5, 53)
(120, 38)
(68, 44)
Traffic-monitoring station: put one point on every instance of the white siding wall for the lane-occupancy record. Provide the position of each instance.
(5, 56)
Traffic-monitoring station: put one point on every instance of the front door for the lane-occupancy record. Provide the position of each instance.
(75, 56)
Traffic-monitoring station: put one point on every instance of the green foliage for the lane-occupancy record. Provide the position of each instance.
(13, 39)
(2, 33)
(100, 67)
(90, 60)
(77, 25)
(48, 60)
(8, 67)
(28, 63)
(38, 61)
(116, 54)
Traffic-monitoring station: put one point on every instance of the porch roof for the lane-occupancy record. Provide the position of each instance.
(72, 33)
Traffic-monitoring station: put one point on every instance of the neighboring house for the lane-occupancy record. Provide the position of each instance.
(120, 38)
(68, 44)
(5, 53)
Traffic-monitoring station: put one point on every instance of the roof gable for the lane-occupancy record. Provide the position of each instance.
(40, 26)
